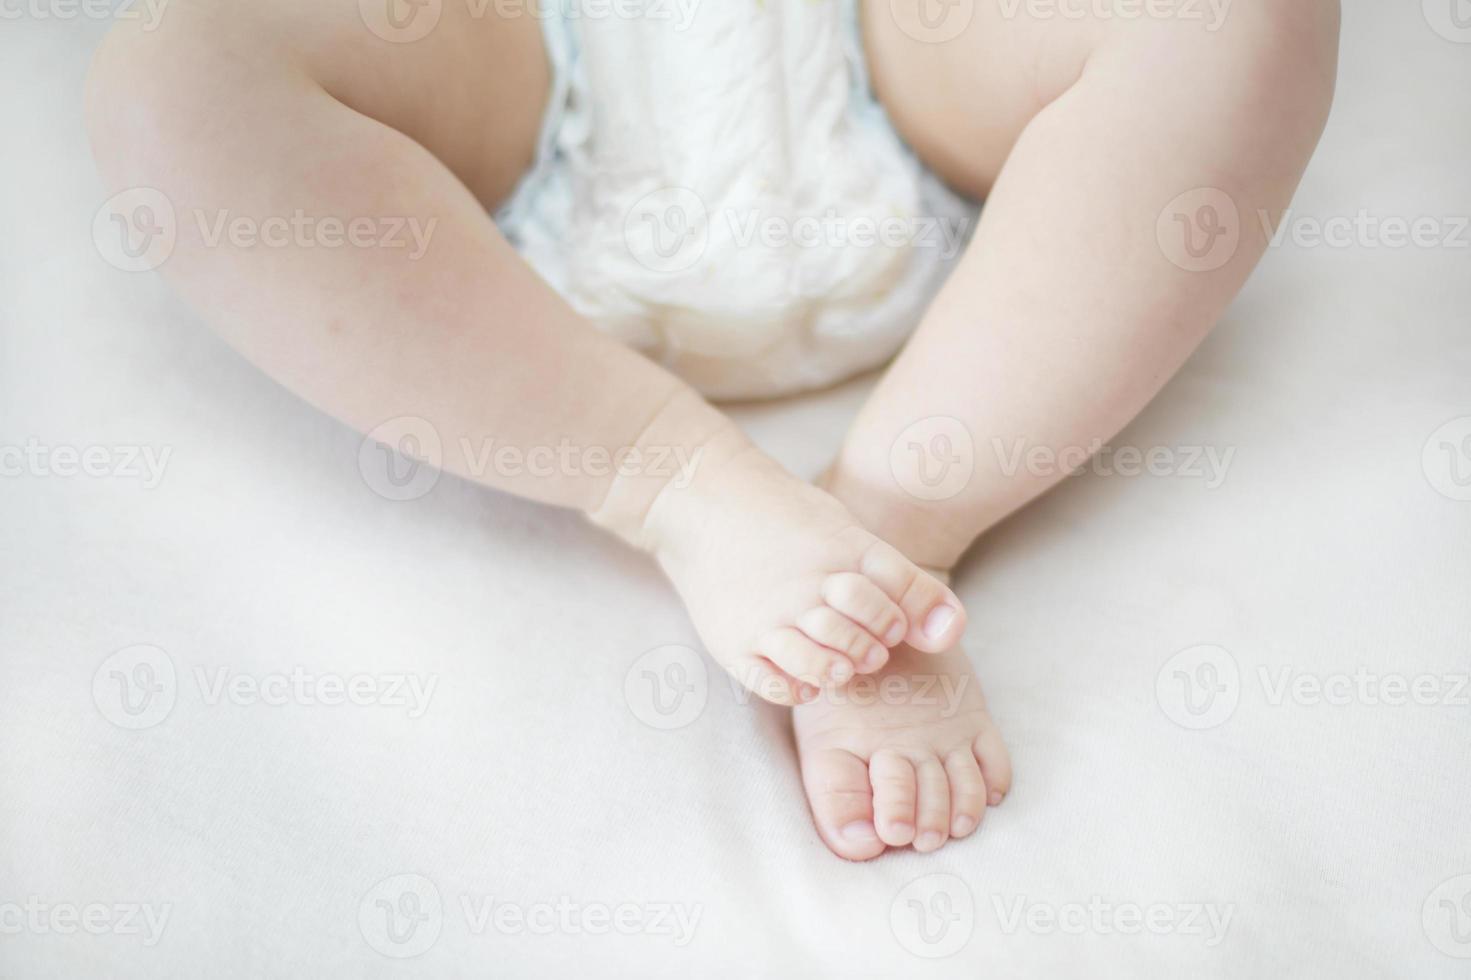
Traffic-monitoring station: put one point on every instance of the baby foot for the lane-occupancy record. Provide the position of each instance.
(907, 756)
(786, 590)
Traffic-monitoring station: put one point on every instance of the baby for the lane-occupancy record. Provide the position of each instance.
(634, 207)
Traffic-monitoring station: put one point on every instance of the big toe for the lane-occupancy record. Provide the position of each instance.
(933, 614)
(841, 797)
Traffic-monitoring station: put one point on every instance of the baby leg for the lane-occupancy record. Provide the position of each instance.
(1121, 225)
(1071, 308)
(272, 110)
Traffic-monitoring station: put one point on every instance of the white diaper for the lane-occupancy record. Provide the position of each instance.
(717, 186)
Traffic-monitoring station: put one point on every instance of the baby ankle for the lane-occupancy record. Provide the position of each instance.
(682, 438)
(926, 532)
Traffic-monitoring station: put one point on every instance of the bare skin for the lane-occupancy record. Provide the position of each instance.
(267, 109)
(1062, 321)
(1064, 318)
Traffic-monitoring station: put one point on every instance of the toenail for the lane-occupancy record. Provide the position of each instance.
(964, 825)
(895, 634)
(840, 672)
(994, 798)
(938, 622)
(859, 831)
(929, 840)
(875, 658)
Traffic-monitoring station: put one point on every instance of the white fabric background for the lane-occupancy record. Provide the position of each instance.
(1327, 549)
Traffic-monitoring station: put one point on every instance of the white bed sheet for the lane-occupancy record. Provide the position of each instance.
(1336, 837)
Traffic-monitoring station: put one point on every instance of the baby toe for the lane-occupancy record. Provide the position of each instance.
(826, 626)
(967, 792)
(770, 683)
(934, 617)
(932, 808)
(893, 782)
(861, 600)
(813, 664)
(995, 761)
(841, 798)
